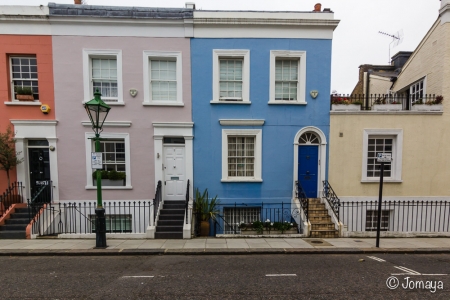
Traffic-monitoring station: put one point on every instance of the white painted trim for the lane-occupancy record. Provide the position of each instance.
(24, 103)
(89, 149)
(229, 102)
(241, 122)
(167, 129)
(285, 102)
(87, 82)
(155, 103)
(301, 84)
(245, 55)
(322, 157)
(397, 149)
(147, 55)
(109, 124)
(36, 129)
(258, 154)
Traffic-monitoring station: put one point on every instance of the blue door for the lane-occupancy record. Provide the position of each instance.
(308, 164)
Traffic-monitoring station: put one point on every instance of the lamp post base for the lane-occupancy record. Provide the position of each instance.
(100, 229)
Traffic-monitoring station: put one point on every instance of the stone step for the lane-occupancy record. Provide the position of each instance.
(324, 234)
(172, 217)
(173, 206)
(169, 228)
(170, 222)
(21, 215)
(23, 210)
(13, 227)
(168, 235)
(171, 212)
(319, 219)
(320, 206)
(314, 201)
(316, 213)
(321, 226)
(13, 235)
(17, 221)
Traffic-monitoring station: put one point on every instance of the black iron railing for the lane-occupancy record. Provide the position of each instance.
(301, 196)
(187, 202)
(232, 216)
(79, 217)
(404, 101)
(12, 195)
(157, 200)
(397, 216)
(331, 197)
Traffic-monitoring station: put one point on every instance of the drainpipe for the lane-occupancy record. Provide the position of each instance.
(367, 80)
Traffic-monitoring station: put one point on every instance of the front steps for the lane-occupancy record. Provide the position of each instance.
(171, 220)
(15, 226)
(321, 224)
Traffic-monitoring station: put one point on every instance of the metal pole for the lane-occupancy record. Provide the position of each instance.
(100, 220)
(380, 198)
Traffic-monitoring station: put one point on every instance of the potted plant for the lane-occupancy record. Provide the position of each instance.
(345, 104)
(110, 178)
(206, 210)
(383, 104)
(430, 105)
(24, 93)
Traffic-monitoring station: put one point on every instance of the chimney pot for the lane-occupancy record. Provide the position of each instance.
(190, 5)
(77, 2)
(318, 7)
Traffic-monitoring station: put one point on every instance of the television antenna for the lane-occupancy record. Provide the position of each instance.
(397, 39)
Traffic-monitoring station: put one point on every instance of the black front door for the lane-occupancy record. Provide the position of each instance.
(40, 184)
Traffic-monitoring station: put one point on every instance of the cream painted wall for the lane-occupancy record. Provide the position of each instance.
(426, 164)
(379, 85)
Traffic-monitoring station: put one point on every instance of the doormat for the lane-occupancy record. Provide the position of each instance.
(317, 242)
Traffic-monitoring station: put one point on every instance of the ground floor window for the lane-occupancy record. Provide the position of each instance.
(372, 219)
(234, 216)
(115, 223)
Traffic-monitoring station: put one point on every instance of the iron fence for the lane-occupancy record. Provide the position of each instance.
(79, 217)
(12, 195)
(403, 100)
(397, 216)
(231, 216)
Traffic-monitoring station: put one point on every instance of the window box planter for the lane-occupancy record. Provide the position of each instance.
(426, 107)
(345, 107)
(387, 107)
(109, 182)
(25, 97)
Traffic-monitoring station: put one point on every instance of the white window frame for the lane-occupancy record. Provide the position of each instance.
(88, 54)
(147, 56)
(11, 57)
(424, 89)
(301, 86)
(245, 55)
(91, 148)
(257, 133)
(397, 150)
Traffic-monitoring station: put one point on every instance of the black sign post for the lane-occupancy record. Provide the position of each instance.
(380, 198)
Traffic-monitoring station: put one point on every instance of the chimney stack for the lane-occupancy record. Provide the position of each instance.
(77, 2)
(318, 7)
(190, 5)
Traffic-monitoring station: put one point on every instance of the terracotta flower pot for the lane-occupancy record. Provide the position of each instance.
(25, 97)
(204, 228)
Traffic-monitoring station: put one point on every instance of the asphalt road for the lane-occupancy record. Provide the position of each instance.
(317, 276)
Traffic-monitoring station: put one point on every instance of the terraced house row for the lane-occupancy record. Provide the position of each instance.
(235, 102)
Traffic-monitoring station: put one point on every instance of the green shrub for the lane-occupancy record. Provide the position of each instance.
(23, 90)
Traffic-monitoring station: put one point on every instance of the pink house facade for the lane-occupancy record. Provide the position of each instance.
(142, 68)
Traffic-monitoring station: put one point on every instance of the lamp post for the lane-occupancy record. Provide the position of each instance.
(97, 111)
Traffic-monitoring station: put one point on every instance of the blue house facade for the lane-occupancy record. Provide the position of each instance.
(260, 97)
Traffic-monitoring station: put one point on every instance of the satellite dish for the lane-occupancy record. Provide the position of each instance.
(397, 39)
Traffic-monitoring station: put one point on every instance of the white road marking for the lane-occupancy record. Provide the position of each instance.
(376, 258)
(275, 275)
(138, 276)
(412, 272)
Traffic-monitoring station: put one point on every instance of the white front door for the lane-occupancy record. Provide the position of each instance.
(174, 173)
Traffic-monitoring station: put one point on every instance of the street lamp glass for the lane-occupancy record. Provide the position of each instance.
(97, 111)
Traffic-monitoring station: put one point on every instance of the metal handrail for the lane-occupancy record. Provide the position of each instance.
(157, 199)
(187, 201)
(301, 195)
(12, 195)
(331, 197)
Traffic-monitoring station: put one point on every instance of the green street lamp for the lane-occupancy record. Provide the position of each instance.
(97, 111)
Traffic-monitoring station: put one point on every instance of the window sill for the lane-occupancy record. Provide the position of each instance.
(384, 180)
(229, 102)
(110, 103)
(281, 102)
(241, 180)
(24, 103)
(128, 187)
(162, 104)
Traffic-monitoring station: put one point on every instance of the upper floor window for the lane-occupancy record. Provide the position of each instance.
(416, 91)
(102, 70)
(163, 78)
(287, 77)
(24, 77)
(231, 76)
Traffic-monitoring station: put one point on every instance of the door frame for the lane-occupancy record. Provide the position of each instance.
(322, 157)
(173, 129)
(163, 171)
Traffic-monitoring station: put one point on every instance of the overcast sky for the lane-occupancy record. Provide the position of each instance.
(356, 40)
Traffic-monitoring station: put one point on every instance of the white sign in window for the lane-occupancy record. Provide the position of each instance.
(96, 160)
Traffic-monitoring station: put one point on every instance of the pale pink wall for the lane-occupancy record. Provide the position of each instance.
(68, 74)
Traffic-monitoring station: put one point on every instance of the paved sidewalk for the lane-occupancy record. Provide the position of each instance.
(223, 246)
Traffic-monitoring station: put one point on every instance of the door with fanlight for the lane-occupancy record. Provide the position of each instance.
(174, 169)
(308, 163)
